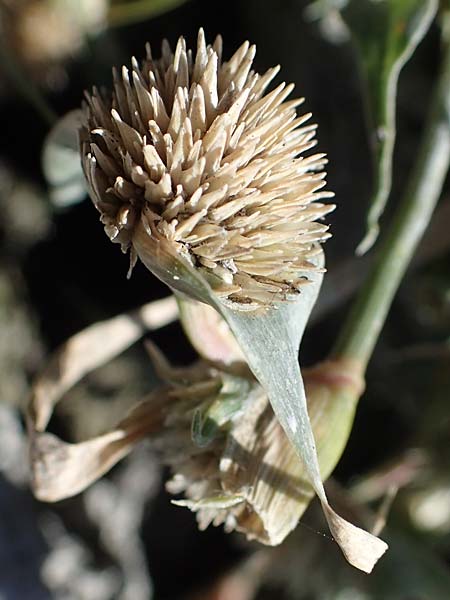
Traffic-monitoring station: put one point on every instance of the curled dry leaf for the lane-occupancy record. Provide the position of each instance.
(91, 348)
(59, 469)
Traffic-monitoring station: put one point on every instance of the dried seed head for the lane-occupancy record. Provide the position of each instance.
(250, 480)
(228, 454)
(189, 154)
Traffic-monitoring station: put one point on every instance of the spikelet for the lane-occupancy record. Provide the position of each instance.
(188, 150)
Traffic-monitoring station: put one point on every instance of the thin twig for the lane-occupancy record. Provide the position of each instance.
(384, 509)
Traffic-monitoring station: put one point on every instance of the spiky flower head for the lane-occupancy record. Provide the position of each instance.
(189, 157)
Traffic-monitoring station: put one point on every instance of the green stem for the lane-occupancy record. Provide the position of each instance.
(366, 319)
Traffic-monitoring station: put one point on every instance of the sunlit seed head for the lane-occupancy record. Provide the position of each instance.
(190, 149)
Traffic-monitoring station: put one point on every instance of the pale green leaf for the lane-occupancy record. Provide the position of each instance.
(270, 341)
(61, 161)
(209, 418)
(386, 33)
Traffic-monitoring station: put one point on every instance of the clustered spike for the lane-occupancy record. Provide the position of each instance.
(191, 148)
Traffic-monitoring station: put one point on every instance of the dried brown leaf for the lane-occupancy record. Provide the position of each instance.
(91, 348)
(61, 469)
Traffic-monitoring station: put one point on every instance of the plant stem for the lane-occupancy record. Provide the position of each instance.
(366, 319)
